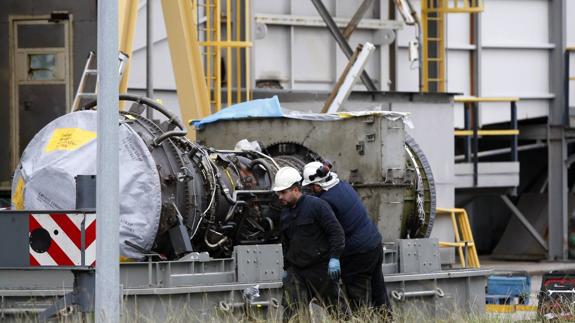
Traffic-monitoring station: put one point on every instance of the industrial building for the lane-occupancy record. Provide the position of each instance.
(452, 120)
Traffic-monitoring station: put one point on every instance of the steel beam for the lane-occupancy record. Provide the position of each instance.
(350, 77)
(524, 221)
(186, 60)
(314, 21)
(127, 15)
(107, 185)
(149, 56)
(341, 41)
(356, 18)
(557, 120)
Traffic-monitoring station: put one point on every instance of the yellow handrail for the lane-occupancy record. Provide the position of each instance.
(506, 132)
(460, 222)
(456, 6)
(474, 99)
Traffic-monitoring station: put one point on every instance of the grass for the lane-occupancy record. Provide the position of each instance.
(183, 312)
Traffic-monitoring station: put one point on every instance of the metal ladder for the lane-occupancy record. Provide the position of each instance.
(433, 31)
(81, 94)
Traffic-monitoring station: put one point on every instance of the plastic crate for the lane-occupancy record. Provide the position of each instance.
(505, 289)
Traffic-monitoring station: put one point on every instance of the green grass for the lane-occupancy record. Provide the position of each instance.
(187, 314)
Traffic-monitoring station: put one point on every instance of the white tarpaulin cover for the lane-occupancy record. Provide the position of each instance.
(65, 148)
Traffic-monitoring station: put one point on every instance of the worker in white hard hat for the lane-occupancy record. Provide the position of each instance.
(312, 241)
(362, 257)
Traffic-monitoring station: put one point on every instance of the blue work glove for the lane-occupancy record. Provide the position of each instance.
(285, 274)
(334, 269)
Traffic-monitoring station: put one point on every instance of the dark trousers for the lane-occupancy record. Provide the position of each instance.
(363, 279)
(303, 284)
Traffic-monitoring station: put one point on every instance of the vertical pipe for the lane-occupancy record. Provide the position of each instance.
(291, 49)
(441, 50)
(248, 25)
(467, 126)
(218, 58)
(238, 26)
(229, 51)
(474, 109)
(566, 119)
(557, 146)
(515, 138)
(107, 306)
(149, 56)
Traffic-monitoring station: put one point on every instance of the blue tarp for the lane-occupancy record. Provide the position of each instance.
(270, 108)
(261, 108)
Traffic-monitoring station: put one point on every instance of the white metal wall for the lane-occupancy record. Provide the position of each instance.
(514, 50)
(307, 58)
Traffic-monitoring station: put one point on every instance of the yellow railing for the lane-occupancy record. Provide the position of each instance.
(464, 243)
(470, 102)
(472, 131)
(225, 37)
(463, 133)
(453, 6)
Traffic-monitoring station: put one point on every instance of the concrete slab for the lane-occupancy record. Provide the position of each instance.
(531, 267)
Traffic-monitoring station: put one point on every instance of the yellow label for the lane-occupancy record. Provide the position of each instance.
(69, 139)
(18, 197)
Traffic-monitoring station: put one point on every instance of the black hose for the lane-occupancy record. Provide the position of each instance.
(147, 101)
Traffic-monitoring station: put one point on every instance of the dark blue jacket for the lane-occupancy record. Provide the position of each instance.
(311, 233)
(361, 234)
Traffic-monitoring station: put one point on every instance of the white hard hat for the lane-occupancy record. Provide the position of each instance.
(285, 178)
(311, 174)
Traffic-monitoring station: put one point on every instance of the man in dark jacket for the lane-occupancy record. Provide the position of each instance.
(312, 241)
(362, 258)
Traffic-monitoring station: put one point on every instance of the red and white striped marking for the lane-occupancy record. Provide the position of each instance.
(66, 239)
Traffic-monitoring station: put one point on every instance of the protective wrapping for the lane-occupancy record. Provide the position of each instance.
(67, 147)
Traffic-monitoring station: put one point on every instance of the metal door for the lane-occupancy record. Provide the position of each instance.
(41, 75)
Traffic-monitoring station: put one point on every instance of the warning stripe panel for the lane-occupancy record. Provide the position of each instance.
(67, 226)
(33, 261)
(65, 239)
(90, 255)
(91, 234)
(32, 224)
(60, 237)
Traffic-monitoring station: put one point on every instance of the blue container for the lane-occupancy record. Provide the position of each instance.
(503, 289)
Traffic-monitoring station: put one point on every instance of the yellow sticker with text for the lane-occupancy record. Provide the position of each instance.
(18, 197)
(69, 139)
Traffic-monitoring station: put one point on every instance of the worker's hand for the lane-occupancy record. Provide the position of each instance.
(285, 275)
(334, 269)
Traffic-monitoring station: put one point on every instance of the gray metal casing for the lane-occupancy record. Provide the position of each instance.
(378, 169)
(419, 256)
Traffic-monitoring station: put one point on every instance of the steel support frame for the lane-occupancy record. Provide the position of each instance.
(127, 15)
(356, 18)
(149, 55)
(557, 120)
(525, 222)
(186, 60)
(341, 40)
